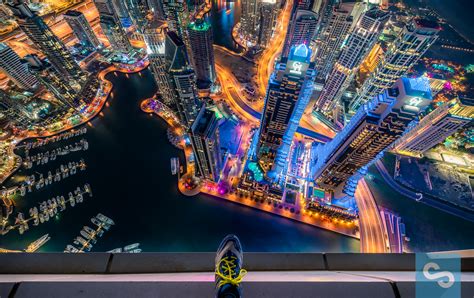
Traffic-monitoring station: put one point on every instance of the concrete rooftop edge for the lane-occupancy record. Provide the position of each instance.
(123, 263)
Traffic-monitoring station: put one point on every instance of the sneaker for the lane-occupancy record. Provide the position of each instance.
(229, 272)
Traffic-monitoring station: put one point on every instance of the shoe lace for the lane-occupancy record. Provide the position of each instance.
(225, 269)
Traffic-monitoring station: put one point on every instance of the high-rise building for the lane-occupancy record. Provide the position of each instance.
(52, 47)
(120, 9)
(204, 135)
(138, 11)
(400, 56)
(304, 4)
(54, 82)
(374, 127)
(17, 71)
(435, 127)
(13, 112)
(112, 27)
(268, 12)
(329, 42)
(154, 36)
(186, 103)
(156, 7)
(81, 28)
(301, 29)
(289, 91)
(177, 16)
(359, 43)
(249, 19)
(201, 40)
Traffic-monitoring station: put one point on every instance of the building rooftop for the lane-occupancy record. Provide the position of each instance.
(73, 13)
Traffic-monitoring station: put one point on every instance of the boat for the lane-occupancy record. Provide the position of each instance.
(174, 165)
(134, 251)
(35, 245)
(115, 250)
(131, 247)
(105, 219)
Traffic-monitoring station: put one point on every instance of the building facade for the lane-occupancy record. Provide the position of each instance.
(329, 41)
(186, 103)
(204, 135)
(435, 127)
(81, 28)
(50, 45)
(11, 65)
(249, 19)
(301, 30)
(360, 41)
(414, 40)
(201, 41)
(112, 26)
(288, 94)
(375, 126)
(268, 13)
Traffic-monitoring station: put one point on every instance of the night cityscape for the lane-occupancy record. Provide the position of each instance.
(301, 126)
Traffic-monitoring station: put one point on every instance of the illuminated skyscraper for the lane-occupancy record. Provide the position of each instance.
(374, 127)
(52, 47)
(204, 135)
(17, 71)
(81, 28)
(288, 94)
(182, 77)
(54, 82)
(435, 127)
(177, 16)
(301, 29)
(112, 27)
(138, 11)
(156, 7)
(154, 35)
(249, 19)
(268, 12)
(359, 43)
(400, 56)
(329, 42)
(201, 40)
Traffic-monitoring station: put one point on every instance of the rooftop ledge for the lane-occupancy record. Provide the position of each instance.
(191, 275)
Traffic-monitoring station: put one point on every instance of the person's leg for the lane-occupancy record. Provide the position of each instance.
(229, 272)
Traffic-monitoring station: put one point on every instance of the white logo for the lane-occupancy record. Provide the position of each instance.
(446, 284)
(296, 67)
(415, 101)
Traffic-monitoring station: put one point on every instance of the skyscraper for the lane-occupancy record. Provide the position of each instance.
(435, 127)
(156, 7)
(301, 29)
(17, 71)
(201, 40)
(359, 43)
(53, 82)
(112, 27)
(138, 11)
(52, 47)
(81, 28)
(400, 56)
(268, 13)
(329, 42)
(154, 36)
(288, 94)
(177, 16)
(374, 127)
(204, 135)
(182, 77)
(249, 19)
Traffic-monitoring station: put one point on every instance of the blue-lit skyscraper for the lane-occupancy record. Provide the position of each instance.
(288, 94)
(375, 126)
(112, 26)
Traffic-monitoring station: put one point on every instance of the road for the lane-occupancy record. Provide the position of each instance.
(372, 233)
